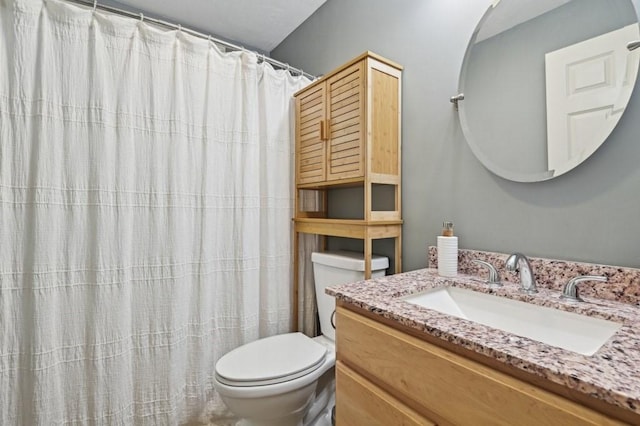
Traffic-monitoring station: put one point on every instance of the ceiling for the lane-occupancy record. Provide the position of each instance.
(256, 24)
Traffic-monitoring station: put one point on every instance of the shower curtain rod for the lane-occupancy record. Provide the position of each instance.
(161, 23)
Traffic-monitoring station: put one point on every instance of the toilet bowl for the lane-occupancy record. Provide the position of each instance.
(288, 379)
(285, 387)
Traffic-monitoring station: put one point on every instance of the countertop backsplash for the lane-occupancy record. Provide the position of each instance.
(623, 284)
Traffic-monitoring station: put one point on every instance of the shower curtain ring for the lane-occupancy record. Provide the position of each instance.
(141, 17)
(95, 5)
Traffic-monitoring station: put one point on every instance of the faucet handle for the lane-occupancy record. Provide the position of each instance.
(570, 290)
(494, 277)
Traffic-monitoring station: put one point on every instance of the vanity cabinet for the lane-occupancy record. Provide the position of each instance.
(348, 135)
(380, 368)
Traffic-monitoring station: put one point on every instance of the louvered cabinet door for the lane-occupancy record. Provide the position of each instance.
(311, 159)
(345, 109)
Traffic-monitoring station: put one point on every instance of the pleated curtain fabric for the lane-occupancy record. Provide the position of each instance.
(145, 215)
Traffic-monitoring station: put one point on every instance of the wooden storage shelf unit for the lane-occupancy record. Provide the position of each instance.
(348, 134)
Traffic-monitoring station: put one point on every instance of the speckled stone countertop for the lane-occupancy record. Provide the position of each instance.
(623, 283)
(612, 374)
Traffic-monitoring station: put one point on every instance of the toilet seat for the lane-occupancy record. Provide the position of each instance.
(271, 360)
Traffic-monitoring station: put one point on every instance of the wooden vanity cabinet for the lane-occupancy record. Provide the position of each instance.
(387, 377)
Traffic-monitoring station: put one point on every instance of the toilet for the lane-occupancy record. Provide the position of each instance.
(289, 379)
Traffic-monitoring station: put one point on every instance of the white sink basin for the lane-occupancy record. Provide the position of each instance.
(567, 330)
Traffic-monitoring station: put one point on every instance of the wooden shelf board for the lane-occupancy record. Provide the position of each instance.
(378, 179)
(349, 228)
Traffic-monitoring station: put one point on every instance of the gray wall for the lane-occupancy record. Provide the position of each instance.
(589, 214)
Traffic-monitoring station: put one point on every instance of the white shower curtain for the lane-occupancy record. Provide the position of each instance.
(145, 205)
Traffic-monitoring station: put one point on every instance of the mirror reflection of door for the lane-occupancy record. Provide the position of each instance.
(504, 112)
(588, 85)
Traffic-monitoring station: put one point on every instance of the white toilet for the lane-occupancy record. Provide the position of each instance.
(288, 379)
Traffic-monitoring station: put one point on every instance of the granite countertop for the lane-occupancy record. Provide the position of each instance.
(612, 374)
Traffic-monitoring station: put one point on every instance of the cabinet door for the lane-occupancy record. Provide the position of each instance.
(311, 160)
(346, 109)
(359, 402)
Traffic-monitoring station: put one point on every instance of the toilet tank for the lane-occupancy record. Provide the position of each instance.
(339, 267)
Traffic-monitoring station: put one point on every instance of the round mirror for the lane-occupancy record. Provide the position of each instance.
(545, 82)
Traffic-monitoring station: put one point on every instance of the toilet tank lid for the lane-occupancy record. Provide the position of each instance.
(351, 260)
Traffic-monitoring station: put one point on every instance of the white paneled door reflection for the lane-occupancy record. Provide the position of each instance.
(588, 86)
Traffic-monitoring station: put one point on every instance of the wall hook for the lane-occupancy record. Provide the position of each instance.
(455, 99)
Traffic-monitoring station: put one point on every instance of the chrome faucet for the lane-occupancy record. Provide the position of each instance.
(518, 262)
(570, 290)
